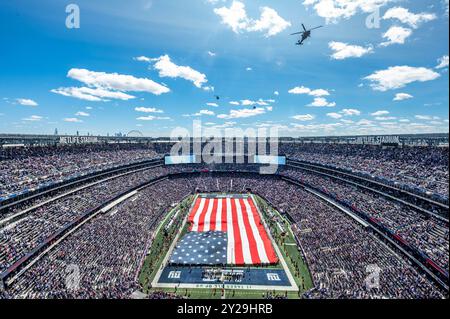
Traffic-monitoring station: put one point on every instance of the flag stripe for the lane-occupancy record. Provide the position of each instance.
(197, 214)
(224, 215)
(206, 208)
(207, 220)
(230, 241)
(268, 247)
(218, 216)
(248, 242)
(194, 209)
(238, 254)
(254, 257)
(258, 239)
(246, 252)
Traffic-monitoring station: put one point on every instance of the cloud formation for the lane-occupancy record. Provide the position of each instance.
(344, 51)
(397, 77)
(235, 17)
(396, 35)
(334, 10)
(27, 102)
(407, 17)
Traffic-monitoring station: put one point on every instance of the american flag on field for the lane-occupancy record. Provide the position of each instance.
(235, 219)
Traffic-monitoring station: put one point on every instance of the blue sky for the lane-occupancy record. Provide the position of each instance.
(153, 65)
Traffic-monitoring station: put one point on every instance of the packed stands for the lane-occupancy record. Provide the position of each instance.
(107, 249)
(25, 169)
(427, 234)
(18, 238)
(418, 169)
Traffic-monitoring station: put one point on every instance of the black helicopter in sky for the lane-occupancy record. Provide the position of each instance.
(305, 34)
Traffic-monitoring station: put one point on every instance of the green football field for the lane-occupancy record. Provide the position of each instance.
(280, 230)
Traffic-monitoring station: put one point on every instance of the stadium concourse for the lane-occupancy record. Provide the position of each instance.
(47, 237)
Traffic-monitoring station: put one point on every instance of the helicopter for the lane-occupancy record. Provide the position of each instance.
(305, 34)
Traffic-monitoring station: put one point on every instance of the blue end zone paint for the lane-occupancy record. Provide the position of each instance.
(249, 277)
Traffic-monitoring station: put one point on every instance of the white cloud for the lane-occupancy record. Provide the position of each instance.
(427, 117)
(334, 10)
(344, 51)
(443, 62)
(243, 113)
(234, 103)
(249, 69)
(304, 117)
(72, 120)
(399, 76)
(396, 35)
(208, 88)
(82, 114)
(344, 112)
(385, 118)
(316, 127)
(364, 122)
(248, 102)
(33, 118)
(118, 82)
(276, 93)
(300, 90)
(151, 118)
(26, 102)
(269, 22)
(334, 115)
(205, 112)
(167, 68)
(305, 90)
(407, 17)
(93, 95)
(402, 96)
(212, 104)
(148, 110)
(211, 54)
(321, 102)
(351, 112)
(236, 18)
(380, 113)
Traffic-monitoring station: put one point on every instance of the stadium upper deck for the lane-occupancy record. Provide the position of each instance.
(410, 139)
(32, 162)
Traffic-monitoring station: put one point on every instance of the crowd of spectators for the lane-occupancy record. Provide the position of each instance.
(20, 237)
(27, 168)
(107, 250)
(338, 251)
(425, 233)
(418, 169)
(102, 259)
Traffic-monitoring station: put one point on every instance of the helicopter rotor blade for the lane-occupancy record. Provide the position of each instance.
(304, 27)
(316, 28)
(297, 33)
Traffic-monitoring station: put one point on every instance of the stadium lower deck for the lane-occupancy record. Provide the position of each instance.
(224, 243)
(117, 216)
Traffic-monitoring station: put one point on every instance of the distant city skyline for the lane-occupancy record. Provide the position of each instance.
(154, 65)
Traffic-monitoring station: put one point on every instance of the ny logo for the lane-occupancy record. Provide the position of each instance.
(174, 275)
(273, 277)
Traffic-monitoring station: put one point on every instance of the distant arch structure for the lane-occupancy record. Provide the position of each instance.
(135, 134)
